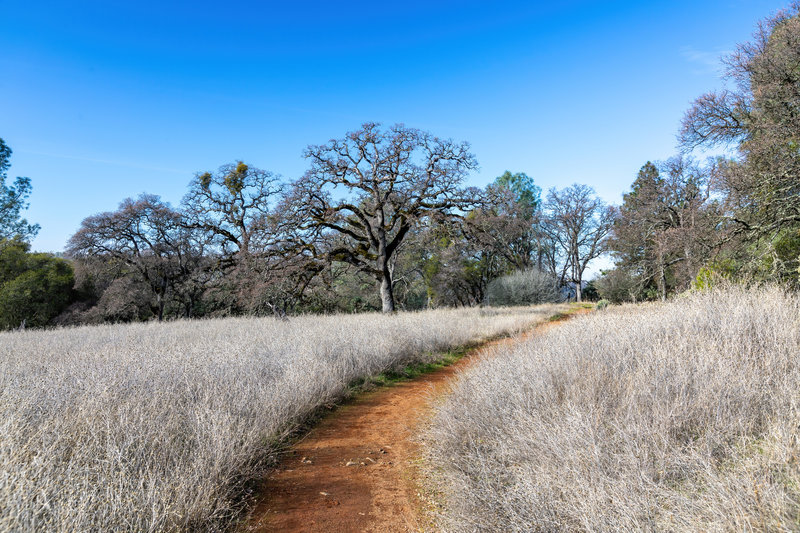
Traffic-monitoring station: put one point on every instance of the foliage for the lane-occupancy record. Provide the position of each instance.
(507, 232)
(589, 292)
(619, 285)
(147, 237)
(13, 202)
(34, 287)
(713, 275)
(760, 116)
(667, 226)
(232, 206)
(457, 266)
(379, 207)
(526, 192)
(778, 259)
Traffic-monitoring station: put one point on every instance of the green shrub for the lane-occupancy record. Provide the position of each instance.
(34, 287)
(712, 275)
(618, 286)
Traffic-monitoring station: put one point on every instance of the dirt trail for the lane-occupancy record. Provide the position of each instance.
(356, 470)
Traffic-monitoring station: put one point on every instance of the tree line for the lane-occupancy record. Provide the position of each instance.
(382, 220)
(686, 222)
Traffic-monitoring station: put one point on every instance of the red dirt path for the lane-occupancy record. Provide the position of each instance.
(356, 470)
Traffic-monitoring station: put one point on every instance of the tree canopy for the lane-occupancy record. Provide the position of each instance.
(13, 200)
(233, 206)
(665, 228)
(147, 236)
(34, 287)
(760, 115)
(578, 222)
(367, 190)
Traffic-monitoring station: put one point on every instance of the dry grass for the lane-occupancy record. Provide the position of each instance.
(682, 416)
(161, 427)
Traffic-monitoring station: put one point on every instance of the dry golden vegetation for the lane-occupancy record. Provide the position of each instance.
(682, 416)
(153, 427)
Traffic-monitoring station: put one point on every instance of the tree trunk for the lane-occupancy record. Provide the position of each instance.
(160, 302)
(387, 295)
(161, 298)
(385, 269)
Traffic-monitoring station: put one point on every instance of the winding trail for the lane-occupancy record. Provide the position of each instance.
(357, 469)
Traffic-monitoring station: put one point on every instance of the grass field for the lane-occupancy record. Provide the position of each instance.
(154, 427)
(682, 416)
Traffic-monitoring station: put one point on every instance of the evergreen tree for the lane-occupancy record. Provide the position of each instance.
(13, 200)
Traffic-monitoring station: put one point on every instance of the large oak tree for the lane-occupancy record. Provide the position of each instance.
(365, 192)
(147, 236)
(232, 205)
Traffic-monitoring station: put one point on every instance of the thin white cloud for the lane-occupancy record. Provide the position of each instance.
(107, 162)
(710, 62)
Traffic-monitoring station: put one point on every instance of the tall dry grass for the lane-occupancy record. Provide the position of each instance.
(682, 416)
(163, 427)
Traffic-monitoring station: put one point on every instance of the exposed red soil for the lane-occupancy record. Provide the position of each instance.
(356, 470)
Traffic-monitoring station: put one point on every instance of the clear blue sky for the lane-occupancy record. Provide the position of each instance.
(105, 100)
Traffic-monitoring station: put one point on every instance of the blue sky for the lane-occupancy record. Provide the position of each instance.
(105, 100)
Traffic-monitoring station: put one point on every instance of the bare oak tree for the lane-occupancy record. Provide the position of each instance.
(578, 223)
(232, 205)
(146, 235)
(760, 115)
(366, 191)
